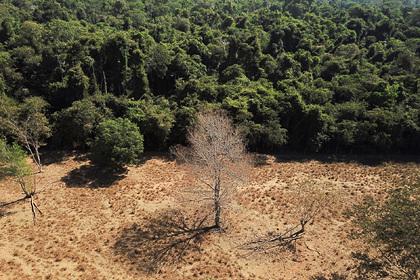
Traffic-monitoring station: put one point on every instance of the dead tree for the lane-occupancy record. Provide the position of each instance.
(29, 195)
(217, 160)
(281, 241)
(309, 203)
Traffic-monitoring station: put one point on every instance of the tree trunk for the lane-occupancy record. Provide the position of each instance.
(105, 83)
(38, 159)
(28, 147)
(217, 206)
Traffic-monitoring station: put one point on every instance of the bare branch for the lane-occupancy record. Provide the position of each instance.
(308, 207)
(216, 159)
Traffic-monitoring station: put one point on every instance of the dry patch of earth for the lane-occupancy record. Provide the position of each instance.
(91, 220)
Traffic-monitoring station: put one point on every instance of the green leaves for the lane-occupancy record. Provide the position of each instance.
(393, 228)
(13, 161)
(155, 120)
(75, 126)
(270, 63)
(117, 142)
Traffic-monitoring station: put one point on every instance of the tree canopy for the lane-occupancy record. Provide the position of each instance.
(339, 76)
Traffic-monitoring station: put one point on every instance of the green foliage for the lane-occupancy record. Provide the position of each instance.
(155, 120)
(393, 227)
(75, 126)
(13, 161)
(32, 116)
(118, 142)
(26, 122)
(278, 67)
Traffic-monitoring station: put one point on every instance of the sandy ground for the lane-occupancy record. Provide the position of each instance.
(94, 222)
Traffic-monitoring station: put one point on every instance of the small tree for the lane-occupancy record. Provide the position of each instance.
(308, 202)
(27, 123)
(217, 157)
(13, 163)
(117, 142)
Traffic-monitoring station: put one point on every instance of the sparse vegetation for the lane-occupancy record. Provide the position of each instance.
(308, 206)
(393, 230)
(99, 95)
(13, 164)
(26, 123)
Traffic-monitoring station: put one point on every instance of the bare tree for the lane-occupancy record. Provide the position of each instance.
(27, 123)
(218, 160)
(273, 242)
(309, 202)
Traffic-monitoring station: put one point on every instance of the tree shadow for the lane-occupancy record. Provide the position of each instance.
(57, 156)
(330, 276)
(365, 159)
(260, 160)
(162, 240)
(4, 212)
(93, 176)
(368, 267)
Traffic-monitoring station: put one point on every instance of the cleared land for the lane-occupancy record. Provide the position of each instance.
(94, 221)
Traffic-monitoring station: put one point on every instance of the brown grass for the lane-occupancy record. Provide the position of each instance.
(87, 220)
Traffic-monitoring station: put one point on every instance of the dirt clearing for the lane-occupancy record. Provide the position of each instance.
(93, 221)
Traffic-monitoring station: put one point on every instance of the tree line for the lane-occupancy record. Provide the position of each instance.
(312, 76)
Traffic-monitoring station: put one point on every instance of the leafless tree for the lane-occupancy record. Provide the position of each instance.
(218, 160)
(29, 191)
(283, 240)
(27, 123)
(309, 203)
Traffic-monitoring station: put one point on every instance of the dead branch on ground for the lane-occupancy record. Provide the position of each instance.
(308, 205)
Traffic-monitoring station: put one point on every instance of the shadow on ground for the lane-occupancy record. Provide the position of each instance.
(367, 267)
(162, 240)
(57, 156)
(93, 176)
(368, 160)
(5, 205)
(5, 212)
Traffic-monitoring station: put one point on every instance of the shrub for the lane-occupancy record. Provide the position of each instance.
(117, 142)
(393, 228)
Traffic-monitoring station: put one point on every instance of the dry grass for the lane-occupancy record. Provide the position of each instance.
(85, 223)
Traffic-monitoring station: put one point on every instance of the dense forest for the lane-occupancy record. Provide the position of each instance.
(306, 75)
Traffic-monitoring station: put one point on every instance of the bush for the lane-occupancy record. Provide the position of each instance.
(75, 126)
(117, 142)
(13, 160)
(393, 228)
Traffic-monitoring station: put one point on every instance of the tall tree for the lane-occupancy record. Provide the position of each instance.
(217, 157)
